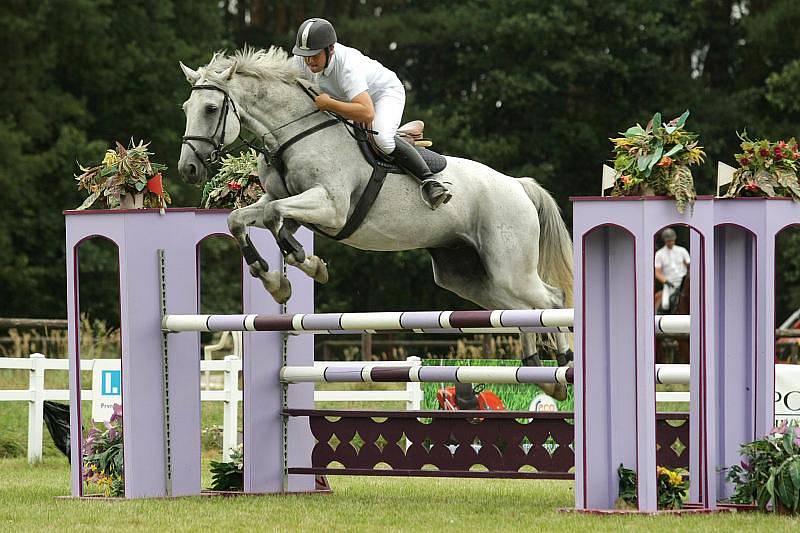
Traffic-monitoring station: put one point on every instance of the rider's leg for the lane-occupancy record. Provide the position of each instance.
(388, 112)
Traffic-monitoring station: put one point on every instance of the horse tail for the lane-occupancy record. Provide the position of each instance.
(555, 242)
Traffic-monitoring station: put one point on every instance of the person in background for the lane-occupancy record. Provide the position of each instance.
(672, 265)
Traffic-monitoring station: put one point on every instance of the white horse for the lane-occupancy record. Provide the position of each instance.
(500, 242)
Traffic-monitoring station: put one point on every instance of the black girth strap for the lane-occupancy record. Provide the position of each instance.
(363, 205)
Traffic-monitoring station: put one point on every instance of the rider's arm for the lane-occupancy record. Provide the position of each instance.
(360, 109)
(660, 275)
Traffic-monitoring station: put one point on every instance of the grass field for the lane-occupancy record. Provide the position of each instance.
(29, 500)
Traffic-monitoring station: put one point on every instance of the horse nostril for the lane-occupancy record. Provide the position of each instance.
(192, 170)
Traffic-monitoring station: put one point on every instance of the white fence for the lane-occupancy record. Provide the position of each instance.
(230, 395)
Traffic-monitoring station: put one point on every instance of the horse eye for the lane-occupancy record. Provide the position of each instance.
(211, 108)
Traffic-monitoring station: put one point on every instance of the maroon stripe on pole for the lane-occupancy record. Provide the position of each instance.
(570, 375)
(471, 319)
(273, 323)
(391, 375)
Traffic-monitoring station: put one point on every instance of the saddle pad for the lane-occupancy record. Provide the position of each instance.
(436, 162)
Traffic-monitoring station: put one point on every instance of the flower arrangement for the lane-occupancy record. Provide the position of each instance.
(655, 160)
(235, 185)
(769, 471)
(228, 476)
(121, 175)
(672, 487)
(102, 456)
(766, 169)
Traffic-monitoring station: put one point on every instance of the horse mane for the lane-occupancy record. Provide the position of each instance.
(272, 64)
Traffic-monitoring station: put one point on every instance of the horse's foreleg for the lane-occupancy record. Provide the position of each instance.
(314, 206)
(251, 216)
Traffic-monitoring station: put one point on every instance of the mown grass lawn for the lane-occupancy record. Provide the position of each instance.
(29, 502)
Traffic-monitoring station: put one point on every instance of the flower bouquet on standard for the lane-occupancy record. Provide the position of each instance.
(769, 471)
(124, 179)
(766, 169)
(235, 185)
(655, 160)
(102, 456)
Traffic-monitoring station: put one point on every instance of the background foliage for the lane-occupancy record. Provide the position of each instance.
(530, 87)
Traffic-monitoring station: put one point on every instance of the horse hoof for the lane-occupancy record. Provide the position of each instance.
(284, 291)
(321, 273)
(557, 391)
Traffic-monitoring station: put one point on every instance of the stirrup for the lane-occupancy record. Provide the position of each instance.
(443, 198)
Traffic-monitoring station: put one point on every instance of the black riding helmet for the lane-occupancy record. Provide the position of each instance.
(314, 36)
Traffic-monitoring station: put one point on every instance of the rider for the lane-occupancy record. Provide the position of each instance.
(671, 263)
(361, 89)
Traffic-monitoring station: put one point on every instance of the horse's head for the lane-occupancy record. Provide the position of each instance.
(212, 122)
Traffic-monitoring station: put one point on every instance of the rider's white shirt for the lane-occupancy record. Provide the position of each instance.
(350, 73)
(672, 262)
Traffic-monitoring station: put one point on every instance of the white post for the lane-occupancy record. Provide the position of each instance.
(414, 389)
(36, 408)
(230, 420)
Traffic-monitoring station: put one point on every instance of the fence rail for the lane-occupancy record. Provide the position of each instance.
(36, 394)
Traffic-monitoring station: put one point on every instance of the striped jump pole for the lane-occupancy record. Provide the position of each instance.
(508, 321)
(376, 373)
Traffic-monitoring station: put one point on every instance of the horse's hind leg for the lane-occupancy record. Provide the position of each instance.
(463, 271)
(251, 216)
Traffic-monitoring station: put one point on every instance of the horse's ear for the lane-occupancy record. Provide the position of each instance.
(228, 73)
(191, 75)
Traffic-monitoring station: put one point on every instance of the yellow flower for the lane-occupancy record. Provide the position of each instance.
(111, 158)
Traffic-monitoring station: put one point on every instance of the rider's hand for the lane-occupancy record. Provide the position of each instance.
(323, 101)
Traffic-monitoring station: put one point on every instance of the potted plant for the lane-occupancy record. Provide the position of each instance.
(766, 169)
(125, 179)
(235, 185)
(672, 487)
(769, 471)
(656, 160)
(103, 456)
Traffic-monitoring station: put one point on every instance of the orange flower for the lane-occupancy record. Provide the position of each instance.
(665, 161)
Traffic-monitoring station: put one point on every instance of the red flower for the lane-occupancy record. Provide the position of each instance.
(763, 152)
(665, 161)
(751, 186)
(781, 144)
(625, 179)
(234, 186)
(744, 160)
(155, 185)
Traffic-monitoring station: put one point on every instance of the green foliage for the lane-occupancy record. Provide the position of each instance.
(123, 172)
(530, 87)
(770, 471)
(766, 169)
(235, 185)
(228, 476)
(104, 465)
(671, 487)
(656, 160)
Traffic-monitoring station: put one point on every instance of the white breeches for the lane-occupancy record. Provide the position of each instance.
(388, 114)
(666, 293)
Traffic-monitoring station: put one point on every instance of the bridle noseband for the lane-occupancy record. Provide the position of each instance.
(219, 145)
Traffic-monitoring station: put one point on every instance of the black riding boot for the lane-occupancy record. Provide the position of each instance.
(406, 156)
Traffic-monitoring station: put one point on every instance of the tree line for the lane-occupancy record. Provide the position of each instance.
(529, 87)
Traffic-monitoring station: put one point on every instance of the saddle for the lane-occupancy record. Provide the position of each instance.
(381, 166)
(410, 133)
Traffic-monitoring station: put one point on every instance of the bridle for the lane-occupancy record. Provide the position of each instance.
(222, 122)
(273, 157)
